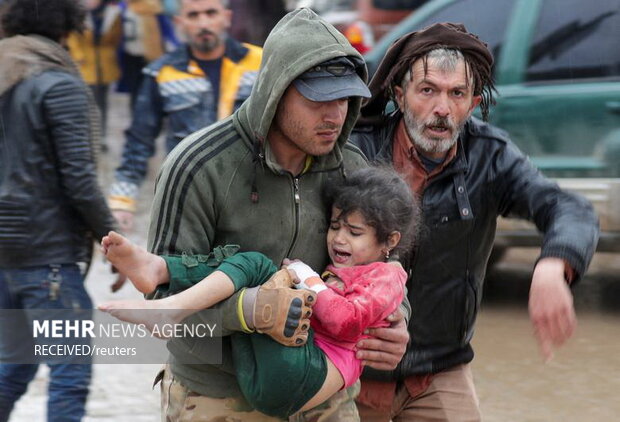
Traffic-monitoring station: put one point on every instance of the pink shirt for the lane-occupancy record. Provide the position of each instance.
(358, 298)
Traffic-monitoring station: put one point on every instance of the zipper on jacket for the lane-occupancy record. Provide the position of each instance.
(297, 198)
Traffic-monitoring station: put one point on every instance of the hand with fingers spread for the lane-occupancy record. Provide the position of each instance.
(551, 306)
(387, 347)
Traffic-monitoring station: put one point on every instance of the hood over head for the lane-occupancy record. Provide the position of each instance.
(299, 42)
(25, 56)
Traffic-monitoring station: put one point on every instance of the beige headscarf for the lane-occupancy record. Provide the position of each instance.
(25, 56)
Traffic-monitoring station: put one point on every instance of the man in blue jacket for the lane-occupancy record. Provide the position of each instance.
(192, 87)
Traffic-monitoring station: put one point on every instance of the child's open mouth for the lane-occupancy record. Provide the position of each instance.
(341, 256)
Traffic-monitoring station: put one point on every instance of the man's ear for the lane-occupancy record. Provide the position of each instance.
(399, 96)
(474, 102)
(228, 13)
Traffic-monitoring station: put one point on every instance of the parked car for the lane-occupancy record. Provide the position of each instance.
(557, 70)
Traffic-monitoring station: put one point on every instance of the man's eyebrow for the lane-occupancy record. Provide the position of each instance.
(463, 87)
(206, 11)
(429, 82)
(426, 81)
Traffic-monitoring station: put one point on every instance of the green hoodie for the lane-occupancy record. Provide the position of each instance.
(222, 185)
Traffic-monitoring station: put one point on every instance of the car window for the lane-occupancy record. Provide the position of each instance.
(486, 18)
(576, 39)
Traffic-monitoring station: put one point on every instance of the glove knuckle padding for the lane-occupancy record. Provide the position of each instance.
(279, 310)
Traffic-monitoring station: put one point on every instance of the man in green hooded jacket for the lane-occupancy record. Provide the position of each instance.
(255, 180)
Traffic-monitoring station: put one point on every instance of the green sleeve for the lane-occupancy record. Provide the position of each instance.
(245, 269)
(182, 274)
(248, 269)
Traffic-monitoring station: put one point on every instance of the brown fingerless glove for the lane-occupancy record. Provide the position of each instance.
(283, 312)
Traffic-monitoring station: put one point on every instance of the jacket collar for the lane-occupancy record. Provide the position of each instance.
(24, 56)
(235, 51)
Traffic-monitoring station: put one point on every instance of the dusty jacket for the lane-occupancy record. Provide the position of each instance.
(50, 203)
(488, 177)
(204, 195)
(176, 89)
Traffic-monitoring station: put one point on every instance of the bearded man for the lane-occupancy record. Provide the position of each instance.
(466, 173)
(201, 82)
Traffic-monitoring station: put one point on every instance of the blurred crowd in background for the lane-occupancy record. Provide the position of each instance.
(122, 36)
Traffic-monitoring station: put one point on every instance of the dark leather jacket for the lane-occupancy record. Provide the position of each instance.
(488, 177)
(51, 206)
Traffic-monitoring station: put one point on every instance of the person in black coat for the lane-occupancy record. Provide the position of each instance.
(466, 173)
(51, 206)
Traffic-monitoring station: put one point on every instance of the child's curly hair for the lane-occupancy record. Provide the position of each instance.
(383, 198)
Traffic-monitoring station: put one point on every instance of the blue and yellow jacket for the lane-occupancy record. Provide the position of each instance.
(176, 88)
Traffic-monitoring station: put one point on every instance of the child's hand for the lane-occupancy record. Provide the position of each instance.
(285, 263)
(303, 271)
(308, 278)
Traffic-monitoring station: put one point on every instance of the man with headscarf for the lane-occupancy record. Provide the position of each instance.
(466, 173)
